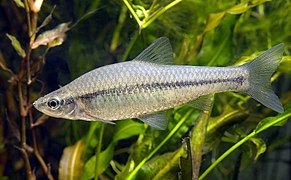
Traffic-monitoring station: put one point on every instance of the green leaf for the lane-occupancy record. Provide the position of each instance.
(133, 172)
(104, 161)
(243, 7)
(19, 3)
(175, 119)
(57, 41)
(126, 129)
(71, 163)
(54, 37)
(273, 121)
(238, 9)
(91, 140)
(161, 165)
(186, 162)
(47, 20)
(218, 45)
(263, 125)
(281, 123)
(260, 146)
(213, 21)
(91, 134)
(285, 65)
(15, 43)
(123, 130)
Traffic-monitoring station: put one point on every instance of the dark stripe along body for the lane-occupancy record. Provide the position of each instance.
(137, 88)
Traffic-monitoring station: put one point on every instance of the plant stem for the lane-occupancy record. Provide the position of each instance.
(174, 130)
(26, 7)
(152, 6)
(224, 155)
(25, 109)
(116, 33)
(35, 149)
(30, 31)
(146, 22)
(223, 120)
(23, 134)
(98, 149)
(132, 12)
(130, 46)
(238, 144)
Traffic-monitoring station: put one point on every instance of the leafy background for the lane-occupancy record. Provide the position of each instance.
(44, 48)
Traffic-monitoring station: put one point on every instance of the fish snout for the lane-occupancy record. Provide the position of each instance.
(36, 104)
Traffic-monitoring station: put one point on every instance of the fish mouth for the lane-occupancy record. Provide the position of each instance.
(39, 105)
(36, 104)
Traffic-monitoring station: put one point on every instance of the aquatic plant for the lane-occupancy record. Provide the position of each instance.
(44, 45)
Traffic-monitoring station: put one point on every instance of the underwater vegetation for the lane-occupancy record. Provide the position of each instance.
(47, 44)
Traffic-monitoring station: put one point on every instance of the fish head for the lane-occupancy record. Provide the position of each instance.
(59, 104)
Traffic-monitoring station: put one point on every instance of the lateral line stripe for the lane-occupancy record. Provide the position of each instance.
(161, 86)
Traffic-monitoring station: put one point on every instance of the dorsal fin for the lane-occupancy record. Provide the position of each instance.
(159, 52)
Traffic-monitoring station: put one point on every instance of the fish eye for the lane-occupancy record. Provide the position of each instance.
(54, 103)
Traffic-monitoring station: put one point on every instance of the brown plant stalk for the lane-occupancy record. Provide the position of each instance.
(25, 104)
(23, 134)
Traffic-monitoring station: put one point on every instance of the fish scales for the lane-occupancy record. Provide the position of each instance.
(139, 88)
(149, 84)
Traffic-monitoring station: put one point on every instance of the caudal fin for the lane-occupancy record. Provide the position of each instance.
(260, 72)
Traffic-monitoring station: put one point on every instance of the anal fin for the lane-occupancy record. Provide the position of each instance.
(158, 120)
(203, 103)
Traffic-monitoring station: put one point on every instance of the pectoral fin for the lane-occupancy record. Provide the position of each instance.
(158, 121)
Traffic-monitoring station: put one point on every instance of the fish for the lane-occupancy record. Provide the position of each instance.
(145, 87)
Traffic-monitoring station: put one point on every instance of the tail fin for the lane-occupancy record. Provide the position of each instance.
(260, 72)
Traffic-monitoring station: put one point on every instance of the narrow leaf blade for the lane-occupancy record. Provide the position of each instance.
(213, 21)
(54, 37)
(273, 121)
(19, 3)
(127, 129)
(260, 146)
(16, 45)
(71, 163)
(104, 161)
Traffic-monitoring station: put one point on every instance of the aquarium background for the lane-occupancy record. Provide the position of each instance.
(47, 44)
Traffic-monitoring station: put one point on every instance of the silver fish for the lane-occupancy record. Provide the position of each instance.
(148, 85)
